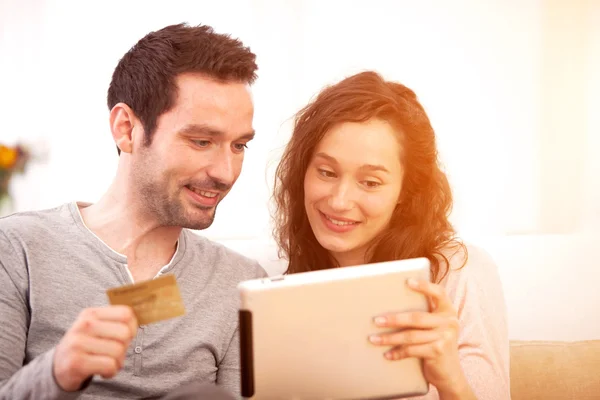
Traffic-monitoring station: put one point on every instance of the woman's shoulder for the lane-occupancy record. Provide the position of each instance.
(469, 268)
(466, 259)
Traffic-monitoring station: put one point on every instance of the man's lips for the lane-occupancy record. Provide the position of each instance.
(204, 197)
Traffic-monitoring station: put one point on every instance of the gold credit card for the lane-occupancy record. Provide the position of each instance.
(153, 300)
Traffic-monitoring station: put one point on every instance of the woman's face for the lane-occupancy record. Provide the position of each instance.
(352, 186)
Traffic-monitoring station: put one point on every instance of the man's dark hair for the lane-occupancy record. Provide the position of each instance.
(145, 77)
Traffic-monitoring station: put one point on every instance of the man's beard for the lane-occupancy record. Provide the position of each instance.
(169, 207)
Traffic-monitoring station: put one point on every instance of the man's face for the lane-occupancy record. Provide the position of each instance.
(196, 152)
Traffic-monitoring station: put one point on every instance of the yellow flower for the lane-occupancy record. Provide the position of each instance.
(8, 157)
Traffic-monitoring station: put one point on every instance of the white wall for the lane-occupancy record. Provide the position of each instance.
(592, 93)
(472, 74)
(511, 87)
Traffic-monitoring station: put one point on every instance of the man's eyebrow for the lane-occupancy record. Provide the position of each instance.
(248, 136)
(197, 129)
(204, 130)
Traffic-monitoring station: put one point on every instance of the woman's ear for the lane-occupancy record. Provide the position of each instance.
(122, 125)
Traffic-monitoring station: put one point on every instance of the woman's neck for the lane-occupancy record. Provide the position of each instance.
(350, 258)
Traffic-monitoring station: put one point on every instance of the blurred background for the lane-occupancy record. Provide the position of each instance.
(512, 89)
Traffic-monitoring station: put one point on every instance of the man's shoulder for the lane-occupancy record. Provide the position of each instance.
(227, 259)
(32, 223)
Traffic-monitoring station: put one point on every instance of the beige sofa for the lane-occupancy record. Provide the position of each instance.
(555, 370)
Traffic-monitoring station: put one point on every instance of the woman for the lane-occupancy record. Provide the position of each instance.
(359, 182)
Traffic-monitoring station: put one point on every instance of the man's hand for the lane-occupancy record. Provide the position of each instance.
(96, 344)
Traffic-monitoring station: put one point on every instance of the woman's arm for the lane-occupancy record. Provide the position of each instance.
(483, 344)
(463, 341)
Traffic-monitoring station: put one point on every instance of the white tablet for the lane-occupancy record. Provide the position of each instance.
(305, 336)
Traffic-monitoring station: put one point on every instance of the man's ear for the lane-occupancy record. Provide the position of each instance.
(122, 125)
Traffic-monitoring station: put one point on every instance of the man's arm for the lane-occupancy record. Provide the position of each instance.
(96, 343)
(35, 380)
(228, 372)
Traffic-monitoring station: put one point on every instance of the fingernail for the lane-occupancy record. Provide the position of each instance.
(412, 282)
(389, 356)
(380, 320)
(375, 339)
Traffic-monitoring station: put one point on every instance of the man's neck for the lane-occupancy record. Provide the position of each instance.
(125, 228)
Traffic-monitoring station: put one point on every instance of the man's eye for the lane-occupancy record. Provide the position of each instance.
(202, 143)
(240, 146)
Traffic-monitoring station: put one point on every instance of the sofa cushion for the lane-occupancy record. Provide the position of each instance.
(555, 370)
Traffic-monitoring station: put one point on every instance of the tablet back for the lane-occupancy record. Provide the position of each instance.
(304, 336)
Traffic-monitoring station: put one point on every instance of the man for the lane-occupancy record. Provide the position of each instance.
(181, 117)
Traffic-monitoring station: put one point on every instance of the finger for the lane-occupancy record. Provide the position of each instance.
(117, 314)
(101, 347)
(86, 365)
(415, 319)
(405, 337)
(105, 366)
(436, 292)
(108, 330)
(133, 323)
(426, 351)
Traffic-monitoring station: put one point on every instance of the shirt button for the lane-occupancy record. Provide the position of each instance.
(138, 349)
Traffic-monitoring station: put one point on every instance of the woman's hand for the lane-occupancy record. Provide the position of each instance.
(432, 336)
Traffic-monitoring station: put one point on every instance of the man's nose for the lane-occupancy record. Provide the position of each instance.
(223, 168)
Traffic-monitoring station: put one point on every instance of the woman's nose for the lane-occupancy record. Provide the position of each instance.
(340, 198)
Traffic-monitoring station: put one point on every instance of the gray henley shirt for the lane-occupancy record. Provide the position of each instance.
(52, 267)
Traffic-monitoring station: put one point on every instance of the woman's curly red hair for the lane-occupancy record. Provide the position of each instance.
(419, 226)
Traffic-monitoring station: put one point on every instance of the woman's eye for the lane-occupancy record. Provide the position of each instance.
(240, 146)
(372, 184)
(326, 173)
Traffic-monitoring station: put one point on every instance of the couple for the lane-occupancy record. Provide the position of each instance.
(359, 182)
